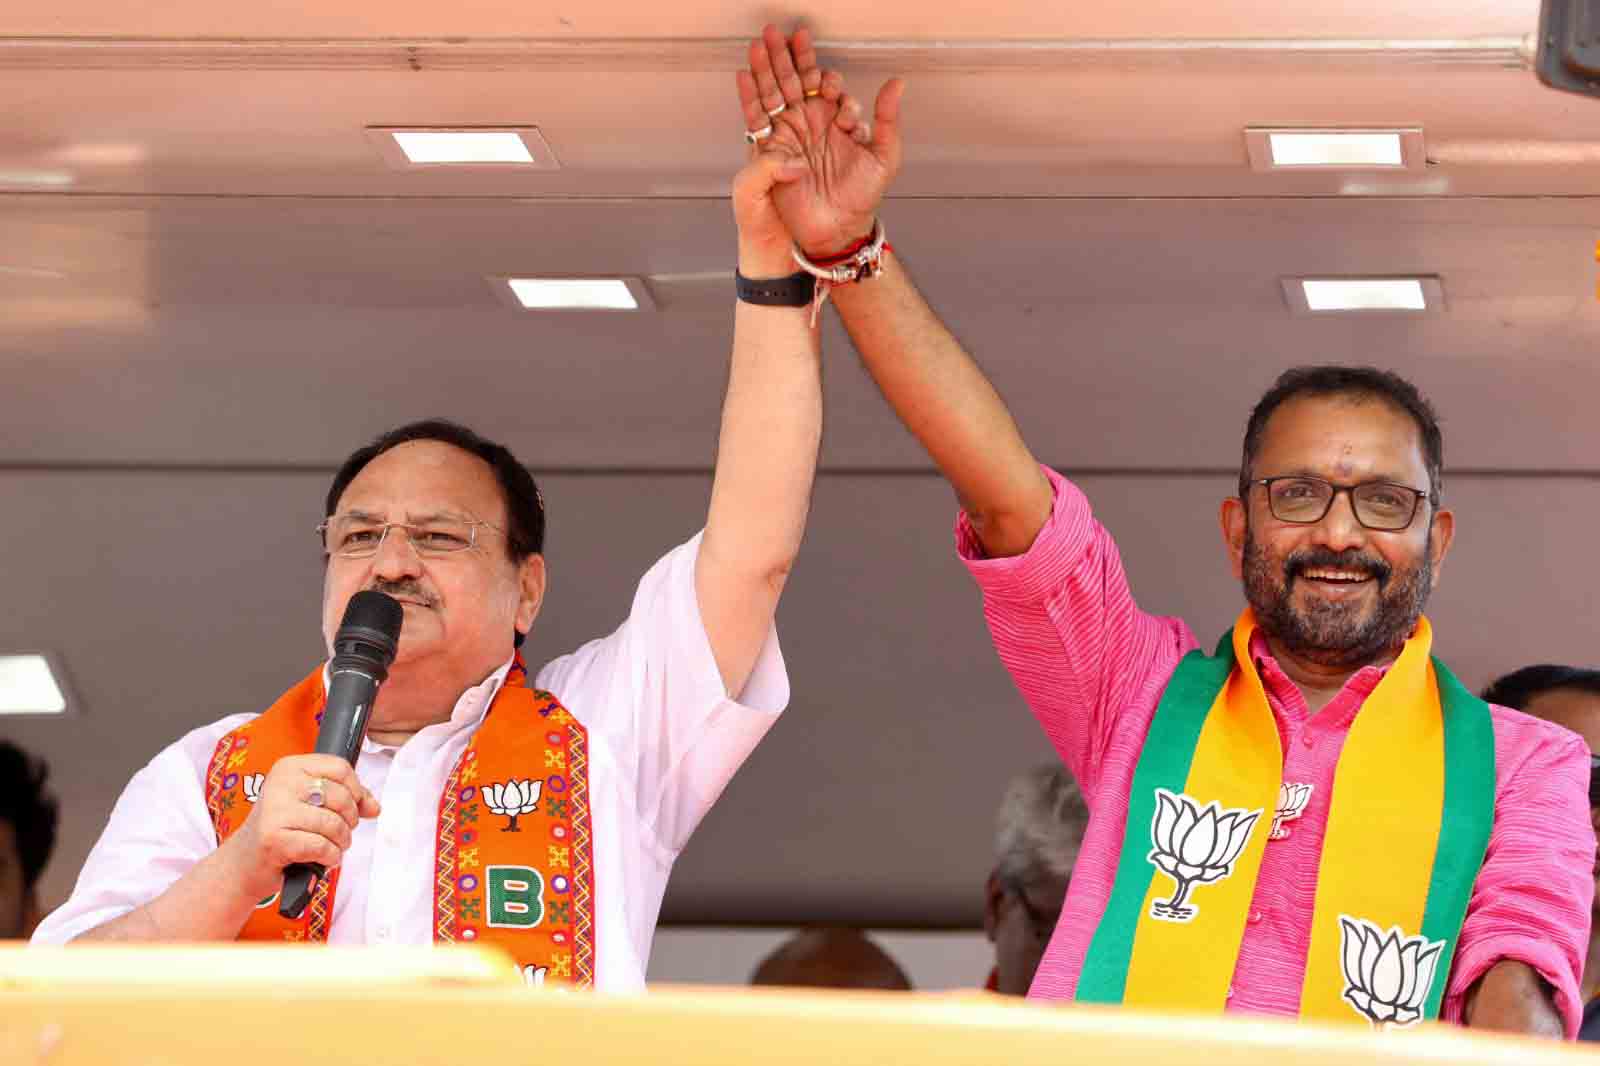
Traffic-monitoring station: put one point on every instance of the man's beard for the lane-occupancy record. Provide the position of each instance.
(1333, 633)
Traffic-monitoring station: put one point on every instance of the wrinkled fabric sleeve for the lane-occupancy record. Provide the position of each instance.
(1066, 626)
(654, 689)
(1531, 902)
(158, 830)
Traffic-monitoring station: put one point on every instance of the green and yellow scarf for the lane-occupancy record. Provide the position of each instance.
(1408, 825)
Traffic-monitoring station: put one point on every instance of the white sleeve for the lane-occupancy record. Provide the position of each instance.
(158, 830)
(653, 689)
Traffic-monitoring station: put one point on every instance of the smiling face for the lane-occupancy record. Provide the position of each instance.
(1333, 592)
(460, 609)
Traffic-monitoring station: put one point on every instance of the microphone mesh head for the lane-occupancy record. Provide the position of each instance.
(378, 613)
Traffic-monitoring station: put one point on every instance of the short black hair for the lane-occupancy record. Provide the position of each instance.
(1337, 380)
(524, 502)
(1518, 688)
(32, 811)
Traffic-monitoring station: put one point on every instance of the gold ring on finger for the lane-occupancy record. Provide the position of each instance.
(811, 93)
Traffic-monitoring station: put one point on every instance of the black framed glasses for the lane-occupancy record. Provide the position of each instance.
(1378, 505)
(1594, 780)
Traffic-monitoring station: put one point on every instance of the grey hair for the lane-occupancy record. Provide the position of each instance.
(1040, 826)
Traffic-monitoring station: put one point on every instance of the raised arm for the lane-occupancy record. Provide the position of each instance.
(771, 419)
(933, 385)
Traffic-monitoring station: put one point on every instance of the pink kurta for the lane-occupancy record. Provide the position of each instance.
(1093, 666)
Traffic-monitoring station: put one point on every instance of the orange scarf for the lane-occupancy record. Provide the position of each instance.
(512, 864)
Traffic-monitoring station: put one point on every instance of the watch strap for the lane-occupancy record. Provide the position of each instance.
(796, 290)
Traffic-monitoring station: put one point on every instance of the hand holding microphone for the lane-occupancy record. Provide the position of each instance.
(310, 804)
(286, 826)
(363, 647)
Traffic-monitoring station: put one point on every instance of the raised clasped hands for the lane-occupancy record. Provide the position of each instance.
(817, 178)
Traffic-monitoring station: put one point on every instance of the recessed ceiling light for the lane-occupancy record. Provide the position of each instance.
(1333, 149)
(37, 179)
(574, 294)
(408, 148)
(31, 272)
(29, 686)
(1318, 295)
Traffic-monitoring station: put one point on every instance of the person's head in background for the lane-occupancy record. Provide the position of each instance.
(1568, 696)
(28, 816)
(1037, 836)
(830, 957)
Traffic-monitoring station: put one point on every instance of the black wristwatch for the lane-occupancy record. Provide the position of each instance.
(796, 290)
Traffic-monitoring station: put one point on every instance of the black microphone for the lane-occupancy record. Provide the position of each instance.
(363, 648)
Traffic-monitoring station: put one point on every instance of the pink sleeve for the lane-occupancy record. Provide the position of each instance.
(1067, 628)
(1532, 898)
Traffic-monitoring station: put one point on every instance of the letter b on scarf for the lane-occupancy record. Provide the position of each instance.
(514, 896)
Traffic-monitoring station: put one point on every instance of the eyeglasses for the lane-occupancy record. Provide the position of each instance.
(360, 537)
(1378, 505)
(1594, 780)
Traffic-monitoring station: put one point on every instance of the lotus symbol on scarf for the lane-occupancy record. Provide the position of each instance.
(252, 786)
(1387, 976)
(533, 976)
(1194, 846)
(1292, 800)
(512, 799)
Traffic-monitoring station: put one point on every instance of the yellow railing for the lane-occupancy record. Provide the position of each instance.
(241, 1006)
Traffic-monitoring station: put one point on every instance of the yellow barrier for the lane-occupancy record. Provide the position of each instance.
(242, 1006)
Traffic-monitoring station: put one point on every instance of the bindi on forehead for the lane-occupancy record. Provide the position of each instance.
(1342, 438)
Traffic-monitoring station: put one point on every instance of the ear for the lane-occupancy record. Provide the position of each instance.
(1440, 536)
(1234, 519)
(530, 579)
(993, 893)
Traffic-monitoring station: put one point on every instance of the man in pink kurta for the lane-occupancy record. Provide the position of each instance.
(1338, 533)
(1093, 666)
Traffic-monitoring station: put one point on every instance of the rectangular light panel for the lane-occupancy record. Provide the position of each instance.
(463, 146)
(1364, 294)
(28, 686)
(1281, 149)
(481, 149)
(1324, 148)
(573, 294)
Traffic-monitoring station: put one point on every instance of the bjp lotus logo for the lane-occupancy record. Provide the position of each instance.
(1292, 800)
(252, 786)
(512, 799)
(1194, 846)
(1386, 975)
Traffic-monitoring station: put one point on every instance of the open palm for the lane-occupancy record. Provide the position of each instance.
(834, 167)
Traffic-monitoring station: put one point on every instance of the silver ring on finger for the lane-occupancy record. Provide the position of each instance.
(318, 795)
(774, 112)
(757, 136)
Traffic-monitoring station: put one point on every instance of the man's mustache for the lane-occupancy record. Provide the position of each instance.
(1325, 559)
(406, 590)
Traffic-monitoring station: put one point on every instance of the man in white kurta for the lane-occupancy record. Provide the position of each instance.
(451, 526)
(664, 741)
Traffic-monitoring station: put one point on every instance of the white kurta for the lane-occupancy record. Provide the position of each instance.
(664, 741)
